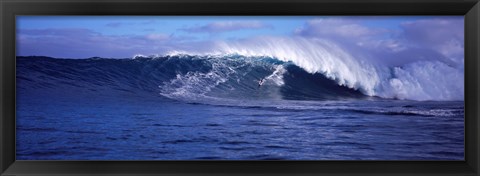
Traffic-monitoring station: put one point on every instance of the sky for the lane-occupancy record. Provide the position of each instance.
(127, 36)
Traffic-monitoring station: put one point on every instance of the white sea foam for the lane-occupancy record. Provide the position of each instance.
(277, 76)
(196, 84)
(424, 80)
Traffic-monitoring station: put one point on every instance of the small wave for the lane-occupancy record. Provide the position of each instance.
(418, 112)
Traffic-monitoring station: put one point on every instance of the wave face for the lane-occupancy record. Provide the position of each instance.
(181, 77)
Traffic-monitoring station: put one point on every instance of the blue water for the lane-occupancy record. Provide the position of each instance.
(186, 108)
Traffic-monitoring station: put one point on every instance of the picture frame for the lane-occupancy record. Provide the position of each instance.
(11, 8)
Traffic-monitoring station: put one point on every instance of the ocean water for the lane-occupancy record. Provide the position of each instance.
(186, 107)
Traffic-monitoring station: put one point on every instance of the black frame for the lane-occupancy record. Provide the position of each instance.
(10, 8)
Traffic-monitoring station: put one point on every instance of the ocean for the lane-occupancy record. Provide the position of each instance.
(190, 107)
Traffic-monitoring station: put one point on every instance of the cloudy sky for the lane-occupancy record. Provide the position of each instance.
(126, 36)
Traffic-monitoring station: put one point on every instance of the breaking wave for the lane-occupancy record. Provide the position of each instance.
(324, 74)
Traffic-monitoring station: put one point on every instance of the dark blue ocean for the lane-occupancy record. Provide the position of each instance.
(208, 108)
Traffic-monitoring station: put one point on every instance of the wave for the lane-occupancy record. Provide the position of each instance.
(416, 112)
(325, 73)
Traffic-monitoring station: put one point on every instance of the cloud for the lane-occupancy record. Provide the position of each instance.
(84, 43)
(337, 27)
(426, 39)
(444, 35)
(227, 26)
(114, 25)
(157, 37)
(54, 32)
